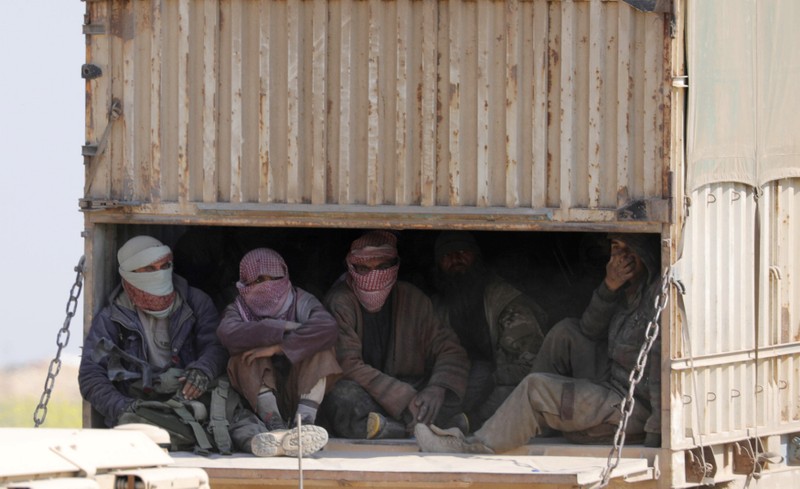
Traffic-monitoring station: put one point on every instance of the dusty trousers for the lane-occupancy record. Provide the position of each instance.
(569, 393)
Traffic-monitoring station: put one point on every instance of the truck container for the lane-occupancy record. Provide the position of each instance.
(539, 125)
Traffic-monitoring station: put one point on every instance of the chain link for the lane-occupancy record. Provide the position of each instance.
(62, 340)
(626, 407)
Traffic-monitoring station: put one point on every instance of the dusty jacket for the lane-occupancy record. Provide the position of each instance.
(193, 341)
(420, 346)
(624, 325)
(515, 327)
(311, 329)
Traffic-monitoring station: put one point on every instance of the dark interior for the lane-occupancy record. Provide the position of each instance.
(558, 269)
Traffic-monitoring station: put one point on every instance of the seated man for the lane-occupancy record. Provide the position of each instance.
(579, 387)
(281, 343)
(152, 355)
(400, 365)
(499, 326)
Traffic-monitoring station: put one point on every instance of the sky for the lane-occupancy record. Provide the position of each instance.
(41, 176)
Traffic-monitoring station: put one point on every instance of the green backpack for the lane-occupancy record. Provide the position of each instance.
(201, 426)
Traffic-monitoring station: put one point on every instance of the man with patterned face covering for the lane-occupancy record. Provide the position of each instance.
(279, 336)
(156, 336)
(582, 372)
(401, 366)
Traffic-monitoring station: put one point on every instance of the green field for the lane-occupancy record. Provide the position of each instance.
(18, 413)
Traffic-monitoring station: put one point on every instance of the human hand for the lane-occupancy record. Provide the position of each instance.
(426, 404)
(195, 384)
(261, 352)
(129, 409)
(620, 268)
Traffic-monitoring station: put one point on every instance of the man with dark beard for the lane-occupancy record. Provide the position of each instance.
(499, 326)
(586, 367)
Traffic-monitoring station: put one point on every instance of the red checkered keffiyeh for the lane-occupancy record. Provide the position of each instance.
(372, 288)
(267, 299)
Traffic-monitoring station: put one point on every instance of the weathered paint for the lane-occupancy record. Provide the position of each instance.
(519, 104)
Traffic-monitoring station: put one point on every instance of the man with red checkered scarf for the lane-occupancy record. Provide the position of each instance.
(400, 365)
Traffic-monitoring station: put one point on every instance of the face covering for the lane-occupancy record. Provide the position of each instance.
(267, 299)
(151, 292)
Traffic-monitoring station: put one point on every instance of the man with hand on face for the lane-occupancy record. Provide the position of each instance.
(400, 365)
(583, 368)
(499, 326)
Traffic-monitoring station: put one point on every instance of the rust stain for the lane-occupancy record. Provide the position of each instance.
(121, 23)
(554, 57)
(453, 94)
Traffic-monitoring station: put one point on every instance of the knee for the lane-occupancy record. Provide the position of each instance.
(566, 328)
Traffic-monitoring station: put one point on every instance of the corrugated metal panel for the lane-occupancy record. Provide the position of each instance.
(713, 361)
(407, 103)
(779, 291)
(736, 362)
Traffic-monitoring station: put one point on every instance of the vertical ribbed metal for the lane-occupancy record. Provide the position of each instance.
(779, 291)
(717, 392)
(408, 103)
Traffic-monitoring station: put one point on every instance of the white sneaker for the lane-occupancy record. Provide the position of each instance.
(452, 440)
(308, 439)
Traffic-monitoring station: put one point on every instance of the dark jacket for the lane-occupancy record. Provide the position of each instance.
(315, 329)
(193, 338)
(420, 347)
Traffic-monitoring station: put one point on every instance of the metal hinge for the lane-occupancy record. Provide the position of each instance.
(94, 29)
(90, 71)
(680, 81)
(102, 204)
(657, 210)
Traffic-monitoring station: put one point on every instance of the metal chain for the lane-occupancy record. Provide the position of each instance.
(626, 407)
(61, 340)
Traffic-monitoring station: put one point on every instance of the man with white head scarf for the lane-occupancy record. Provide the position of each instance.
(279, 335)
(401, 365)
(156, 317)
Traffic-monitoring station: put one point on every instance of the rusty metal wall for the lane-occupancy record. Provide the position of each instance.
(511, 104)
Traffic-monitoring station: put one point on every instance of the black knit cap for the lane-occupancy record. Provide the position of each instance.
(450, 241)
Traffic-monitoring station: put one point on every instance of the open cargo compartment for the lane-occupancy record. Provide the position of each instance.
(558, 269)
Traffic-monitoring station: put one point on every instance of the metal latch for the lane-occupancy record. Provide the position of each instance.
(701, 466)
(749, 458)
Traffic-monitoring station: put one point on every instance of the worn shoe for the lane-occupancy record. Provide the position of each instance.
(460, 421)
(306, 440)
(274, 421)
(436, 440)
(381, 427)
